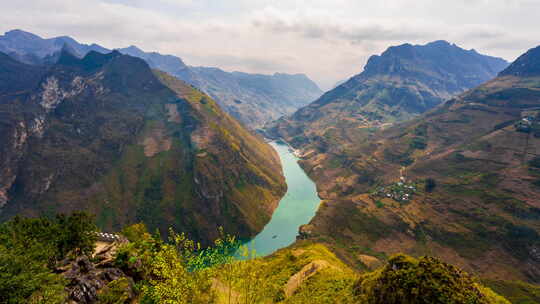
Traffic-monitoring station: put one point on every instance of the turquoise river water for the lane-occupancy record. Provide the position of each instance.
(296, 208)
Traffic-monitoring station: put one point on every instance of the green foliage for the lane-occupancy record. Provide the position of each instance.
(515, 291)
(30, 247)
(171, 281)
(61, 235)
(535, 162)
(426, 280)
(175, 272)
(430, 185)
(117, 292)
(24, 278)
(181, 271)
(418, 143)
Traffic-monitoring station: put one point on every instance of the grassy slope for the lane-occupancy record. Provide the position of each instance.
(309, 272)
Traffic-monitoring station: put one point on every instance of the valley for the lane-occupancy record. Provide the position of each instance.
(107, 134)
(269, 152)
(458, 182)
(295, 209)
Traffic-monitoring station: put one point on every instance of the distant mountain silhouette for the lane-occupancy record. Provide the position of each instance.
(252, 98)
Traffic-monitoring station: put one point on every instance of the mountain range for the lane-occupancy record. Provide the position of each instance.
(460, 182)
(107, 134)
(254, 99)
(432, 151)
(401, 83)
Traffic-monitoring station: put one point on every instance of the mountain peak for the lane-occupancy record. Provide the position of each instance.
(17, 33)
(527, 64)
(133, 50)
(405, 59)
(440, 43)
(68, 56)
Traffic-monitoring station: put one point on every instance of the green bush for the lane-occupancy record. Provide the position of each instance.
(418, 143)
(426, 280)
(117, 292)
(535, 162)
(29, 248)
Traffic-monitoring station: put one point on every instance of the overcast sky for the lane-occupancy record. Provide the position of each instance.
(327, 40)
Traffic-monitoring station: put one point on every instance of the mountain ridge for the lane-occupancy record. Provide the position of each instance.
(398, 85)
(107, 134)
(459, 182)
(258, 106)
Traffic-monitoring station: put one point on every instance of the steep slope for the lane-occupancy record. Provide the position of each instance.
(253, 99)
(107, 134)
(461, 182)
(401, 83)
(167, 63)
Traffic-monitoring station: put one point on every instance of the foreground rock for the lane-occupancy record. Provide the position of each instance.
(92, 278)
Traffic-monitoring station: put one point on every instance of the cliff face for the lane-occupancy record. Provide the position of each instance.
(107, 134)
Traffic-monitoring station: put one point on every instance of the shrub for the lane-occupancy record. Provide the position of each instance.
(430, 185)
(29, 248)
(535, 162)
(426, 280)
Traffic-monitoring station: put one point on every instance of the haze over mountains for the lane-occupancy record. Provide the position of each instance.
(432, 150)
(252, 98)
(404, 81)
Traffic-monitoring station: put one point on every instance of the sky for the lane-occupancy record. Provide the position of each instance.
(327, 40)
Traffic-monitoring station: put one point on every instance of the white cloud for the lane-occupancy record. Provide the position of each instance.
(328, 40)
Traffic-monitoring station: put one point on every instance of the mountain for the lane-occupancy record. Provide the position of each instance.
(167, 63)
(30, 48)
(401, 83)
(254, 99)
(460, 182)
(107, 134)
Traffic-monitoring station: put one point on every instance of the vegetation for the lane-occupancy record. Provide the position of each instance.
(182, 271)
(29, 250)
(150, 149)
(430, 185)
(515, 291)
(425, 280)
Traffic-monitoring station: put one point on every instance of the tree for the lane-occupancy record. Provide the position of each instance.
(430, 185)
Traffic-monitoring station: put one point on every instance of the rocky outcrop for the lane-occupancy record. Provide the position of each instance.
(90, 277)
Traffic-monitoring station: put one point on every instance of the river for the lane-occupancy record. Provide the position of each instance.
(296, 208)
